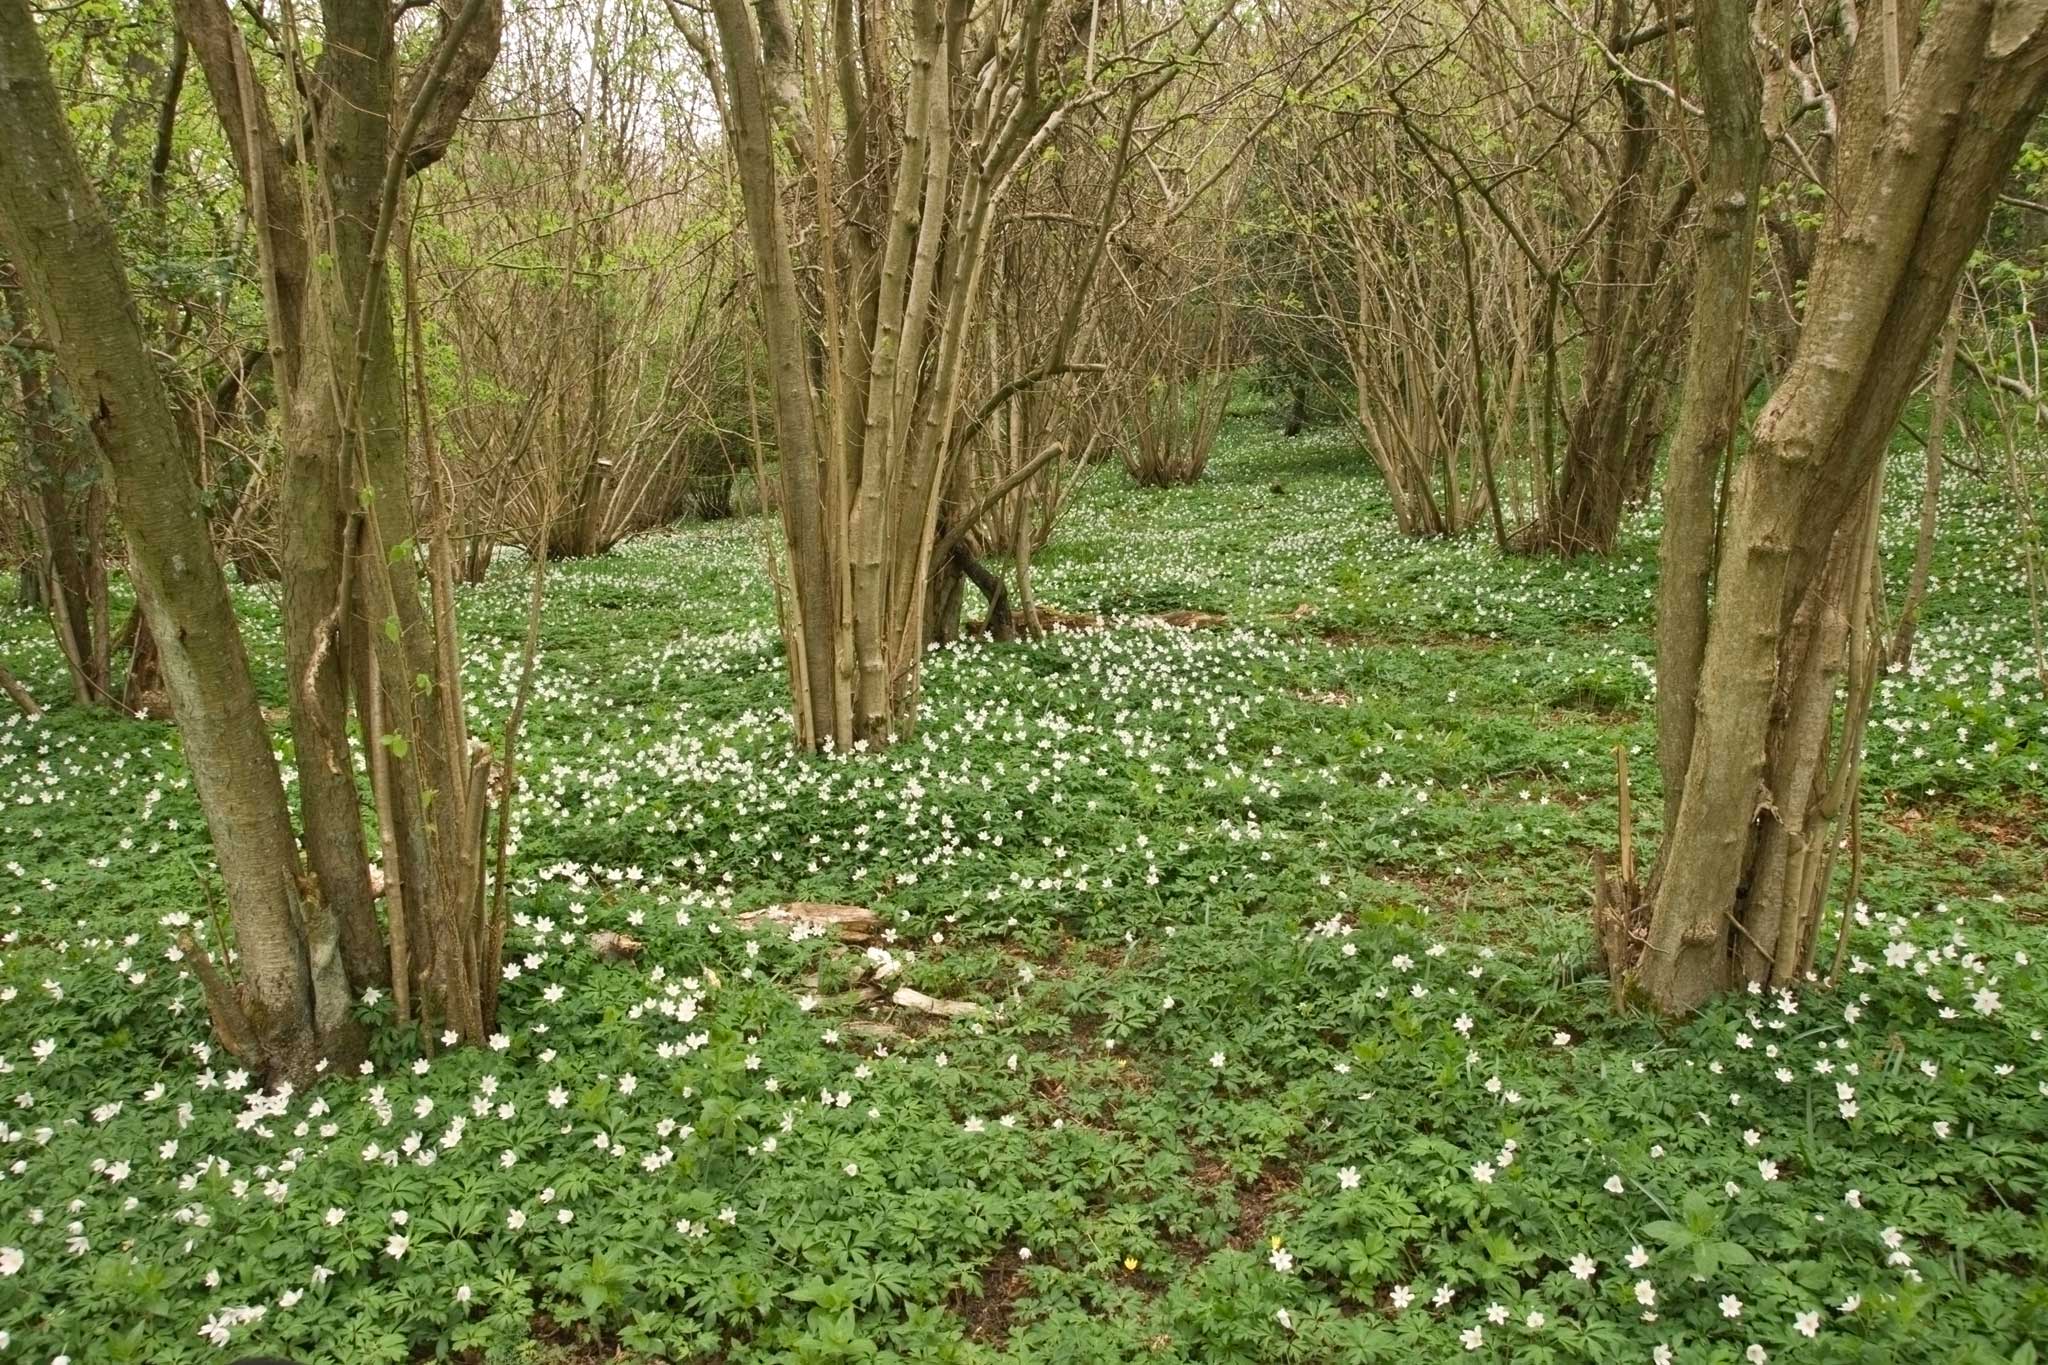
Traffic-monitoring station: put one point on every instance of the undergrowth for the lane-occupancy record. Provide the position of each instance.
(1290, 1046)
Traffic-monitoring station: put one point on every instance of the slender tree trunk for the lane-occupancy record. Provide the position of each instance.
(897, 176)
(353, 609)
(1619, 389)
(943, 602)
(142, 689)
(314, 507)
(67, 511)
(358, 440)
(423, 735)
(71, 513)
(808, 608)
(1715, 369)
(709, 465)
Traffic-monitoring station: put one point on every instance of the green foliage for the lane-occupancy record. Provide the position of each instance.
(1290, 1048)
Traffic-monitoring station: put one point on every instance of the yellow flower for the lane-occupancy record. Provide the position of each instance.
(1130, 1263)
(1276, 1243)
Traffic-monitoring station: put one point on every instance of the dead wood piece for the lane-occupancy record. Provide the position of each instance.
(1052, 618)
(1322, 698)
(925, 1004)
(1192, 620)
(615, 947)
(20, 694)
(817, 919)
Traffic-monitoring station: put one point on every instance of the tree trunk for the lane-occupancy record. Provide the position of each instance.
(1297, 409)
(476, 559)
(18, 694)
(289, 1008)
(895, 189)
(809, 610)
(413, 715)
(142, 690)
(1715, 370)
(67, 510)
(709, 463)
(1620, 409)
(351, 563)
(1741, 877)
(944, 600)
(71, 516)
(1002, 625)
(315, 520)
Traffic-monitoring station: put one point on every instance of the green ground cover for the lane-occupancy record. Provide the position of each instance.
(1290, 1046)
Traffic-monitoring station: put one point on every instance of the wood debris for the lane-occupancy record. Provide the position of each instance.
(816, 919)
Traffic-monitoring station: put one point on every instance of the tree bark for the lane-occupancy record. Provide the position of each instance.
(61, 238)
(1738, 892)
(67, 511)
(142, 690)
(1611, 435)
(1710, 404)
(895, 178)
(314, 511)
(808, 608)
(353, 609)
(18, 694)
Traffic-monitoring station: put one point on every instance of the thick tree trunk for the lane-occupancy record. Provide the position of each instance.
(1741, 876)
(290, 981)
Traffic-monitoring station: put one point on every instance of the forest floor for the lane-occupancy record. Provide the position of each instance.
(1290, 1047)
